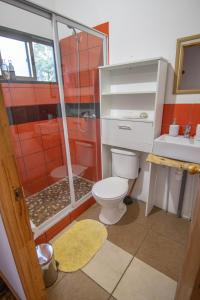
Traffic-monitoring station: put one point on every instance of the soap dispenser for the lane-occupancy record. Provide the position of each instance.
(174, 129)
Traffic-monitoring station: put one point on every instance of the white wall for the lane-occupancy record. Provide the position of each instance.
(15, 18)
(7, 264)
(140, 28)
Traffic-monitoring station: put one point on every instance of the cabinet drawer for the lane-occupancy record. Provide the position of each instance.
(127, 134)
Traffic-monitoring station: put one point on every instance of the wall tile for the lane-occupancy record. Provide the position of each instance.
(94, 41)
(35, 160)
(14, 132)
(51, 140)
(83, 40)
(31, 146)
(28, 130)
(22, 96)
(49, 126)
(182, 113)
(21, 169)
(35, 186)
(53, 154)
(36, 173)
(7, 96)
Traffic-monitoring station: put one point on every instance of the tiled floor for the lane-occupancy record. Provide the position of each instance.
(54, 198)
(141, 260)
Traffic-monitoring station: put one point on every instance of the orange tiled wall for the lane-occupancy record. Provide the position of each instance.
(38, 144)
(91, 57)
(183, 113)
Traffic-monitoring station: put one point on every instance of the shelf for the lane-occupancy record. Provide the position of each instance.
(128, 93)
(133, 63)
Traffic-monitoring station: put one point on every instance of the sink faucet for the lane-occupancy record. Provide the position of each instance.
(187, 129)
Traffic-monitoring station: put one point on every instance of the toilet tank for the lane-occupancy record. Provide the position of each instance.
(124, 164)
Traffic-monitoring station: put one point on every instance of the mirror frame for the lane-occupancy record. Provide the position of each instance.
(187, 41)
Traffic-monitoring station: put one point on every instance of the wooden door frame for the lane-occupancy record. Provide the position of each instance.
(189, 282)
(15, 216)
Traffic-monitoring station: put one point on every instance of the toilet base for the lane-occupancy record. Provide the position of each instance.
(112, 215)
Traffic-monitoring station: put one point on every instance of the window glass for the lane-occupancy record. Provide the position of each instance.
(15, 51)
(44, 62)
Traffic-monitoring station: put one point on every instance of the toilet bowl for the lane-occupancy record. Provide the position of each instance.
(110, 192)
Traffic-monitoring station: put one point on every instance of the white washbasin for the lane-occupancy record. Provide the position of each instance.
(186, 149)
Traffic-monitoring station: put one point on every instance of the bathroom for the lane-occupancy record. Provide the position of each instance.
(86, 96)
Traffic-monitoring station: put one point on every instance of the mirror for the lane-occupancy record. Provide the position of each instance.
(187, 68)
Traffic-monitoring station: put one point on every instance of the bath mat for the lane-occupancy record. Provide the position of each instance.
(75, 248)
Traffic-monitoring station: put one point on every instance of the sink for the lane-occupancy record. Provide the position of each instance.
(180, 148)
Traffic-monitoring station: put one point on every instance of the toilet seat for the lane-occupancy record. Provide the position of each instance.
(110, 188)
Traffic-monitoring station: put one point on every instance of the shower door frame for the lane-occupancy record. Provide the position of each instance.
(55, 18)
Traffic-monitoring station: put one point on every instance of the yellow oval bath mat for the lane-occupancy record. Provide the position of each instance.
(74, 248)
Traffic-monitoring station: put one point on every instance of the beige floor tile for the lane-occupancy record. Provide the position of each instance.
(108, 265)
(170, 226)
(76, 286)
(135, 214)
(127, 236)
(90, 213)
(162, 254)
(142, 282)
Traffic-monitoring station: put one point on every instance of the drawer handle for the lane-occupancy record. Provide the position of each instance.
(124, 127)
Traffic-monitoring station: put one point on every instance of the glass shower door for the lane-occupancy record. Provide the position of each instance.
(81, 54)
(33, 106)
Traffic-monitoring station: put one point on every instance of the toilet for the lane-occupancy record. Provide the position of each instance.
(110, 192)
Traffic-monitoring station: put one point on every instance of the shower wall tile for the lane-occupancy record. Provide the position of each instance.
(22, 96)
(7, 96)
(51, 140)
(31, 146)
(94, 41)
(36, 185)
(83, 38)
(46, 94)
(28, 130)
(53, 154)
(37, 172)
(34, 160)
(14, 132)
(21, 169)
(17, 148)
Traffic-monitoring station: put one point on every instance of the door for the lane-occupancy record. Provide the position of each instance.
(15, 216)
(189, 282)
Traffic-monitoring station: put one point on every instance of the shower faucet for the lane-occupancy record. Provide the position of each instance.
(88, 114)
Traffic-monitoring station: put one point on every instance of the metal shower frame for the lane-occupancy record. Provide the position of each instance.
(55, 18)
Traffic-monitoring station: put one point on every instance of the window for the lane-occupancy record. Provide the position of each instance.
(25, 57)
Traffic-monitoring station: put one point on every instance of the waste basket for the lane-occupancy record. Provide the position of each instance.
(47, 263)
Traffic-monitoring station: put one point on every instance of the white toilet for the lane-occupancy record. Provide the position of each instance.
(110, 192)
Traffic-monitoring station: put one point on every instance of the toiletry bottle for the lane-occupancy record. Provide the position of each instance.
(174, 129)
(197, 135)
(11, 70)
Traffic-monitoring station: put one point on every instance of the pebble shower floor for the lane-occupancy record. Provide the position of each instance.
(55, 198)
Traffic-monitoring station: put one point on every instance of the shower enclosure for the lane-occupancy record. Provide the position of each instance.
(49, 78)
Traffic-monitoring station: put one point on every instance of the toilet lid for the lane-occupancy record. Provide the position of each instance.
(110, 188)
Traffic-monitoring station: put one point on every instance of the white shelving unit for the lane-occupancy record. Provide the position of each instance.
(126, 91)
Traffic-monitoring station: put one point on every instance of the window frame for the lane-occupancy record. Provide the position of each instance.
(28, 39)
